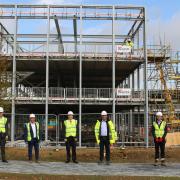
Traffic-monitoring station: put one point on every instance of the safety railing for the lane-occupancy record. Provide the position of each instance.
(89, 95)
(63, 95)
(136, 55)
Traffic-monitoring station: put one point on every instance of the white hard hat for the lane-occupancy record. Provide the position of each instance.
(70, 113)
(32, 116)
(103, 113)
(1, 110)
(159, 114)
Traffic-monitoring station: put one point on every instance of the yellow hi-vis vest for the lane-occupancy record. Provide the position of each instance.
(3, 121)
(159, 130)
(29, 138)
(71, 127)
(112, 132)
(130, 44)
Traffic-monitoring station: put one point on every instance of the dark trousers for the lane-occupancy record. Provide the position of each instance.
(104, 142)
(159, 146)
(71, 143)
(33, 143)
(2, 144)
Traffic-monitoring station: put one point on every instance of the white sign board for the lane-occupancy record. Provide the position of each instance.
(123, 49)
(123, 92)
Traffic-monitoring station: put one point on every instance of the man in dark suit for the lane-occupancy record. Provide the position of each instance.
(32, 137)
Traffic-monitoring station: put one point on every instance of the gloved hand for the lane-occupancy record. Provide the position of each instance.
(156, 140)
(6, 138)
(65, 139)
(160, 139)
(75, 139)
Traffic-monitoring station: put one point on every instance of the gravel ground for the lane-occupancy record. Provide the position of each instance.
(115, 169)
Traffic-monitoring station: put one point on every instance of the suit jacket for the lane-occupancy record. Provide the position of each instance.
(31, 132)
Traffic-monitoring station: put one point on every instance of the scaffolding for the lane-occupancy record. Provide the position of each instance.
(68, 64)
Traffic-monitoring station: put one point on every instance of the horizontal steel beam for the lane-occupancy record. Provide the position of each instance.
(69, 42)
(105, 36)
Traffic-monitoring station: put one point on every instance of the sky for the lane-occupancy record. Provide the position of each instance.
(163, 16)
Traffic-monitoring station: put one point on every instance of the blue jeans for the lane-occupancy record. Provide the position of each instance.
(34, 142)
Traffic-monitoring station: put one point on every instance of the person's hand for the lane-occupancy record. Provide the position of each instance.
(6, 138)
(98, 142)
(65, 139)
(112, 146)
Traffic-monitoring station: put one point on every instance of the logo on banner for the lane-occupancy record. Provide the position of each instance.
(123, 92)
(123, 49)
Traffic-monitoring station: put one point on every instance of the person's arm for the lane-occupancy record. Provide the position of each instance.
(25, 133)
(64, 131)
(40, 133)
(165, 131)
(6, 128)
(153, 132)
(96, 130)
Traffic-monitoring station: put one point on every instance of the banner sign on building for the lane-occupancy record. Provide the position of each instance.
(123, 92)
(123, 49)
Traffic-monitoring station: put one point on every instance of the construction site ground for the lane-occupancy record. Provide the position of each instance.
(131, 163)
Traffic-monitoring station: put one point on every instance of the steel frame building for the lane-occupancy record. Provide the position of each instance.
(85, 51)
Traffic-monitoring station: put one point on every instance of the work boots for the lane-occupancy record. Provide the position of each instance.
(163, 162)
(156, 162)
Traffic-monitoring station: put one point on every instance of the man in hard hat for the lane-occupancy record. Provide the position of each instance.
(70, 137)
(32, 137)
(105, 136)
(3, 134)
(159, 132)
(129, 43)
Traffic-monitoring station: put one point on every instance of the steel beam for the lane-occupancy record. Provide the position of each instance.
(47, 77)
(146, 114)
(75, 34)
(13, 110)
(80, 79)
(60, 45)
(113, 66)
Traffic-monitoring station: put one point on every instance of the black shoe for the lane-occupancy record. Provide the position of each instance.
(108, 163)
(76, 162)
(100, 162)
(4, 161)
(68, 161)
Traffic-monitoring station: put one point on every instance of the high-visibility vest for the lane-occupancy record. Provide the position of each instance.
(130, 44)
(159, 130)
(29, 138)
(71, 127)
(3, 121)
(112, 132)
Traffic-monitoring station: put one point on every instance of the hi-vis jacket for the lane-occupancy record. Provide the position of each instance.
(70, 128)
(111, 129)
(159, 131)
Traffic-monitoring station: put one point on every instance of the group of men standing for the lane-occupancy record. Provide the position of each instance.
(105, 135)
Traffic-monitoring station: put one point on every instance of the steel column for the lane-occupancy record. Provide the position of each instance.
(13, 110)
(47, 75)
(146, 117)
(113, 65)
(80, 78)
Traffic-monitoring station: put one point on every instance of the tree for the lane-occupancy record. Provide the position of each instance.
(5, 83)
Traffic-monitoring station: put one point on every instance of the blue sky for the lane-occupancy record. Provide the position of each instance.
(162, 15)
